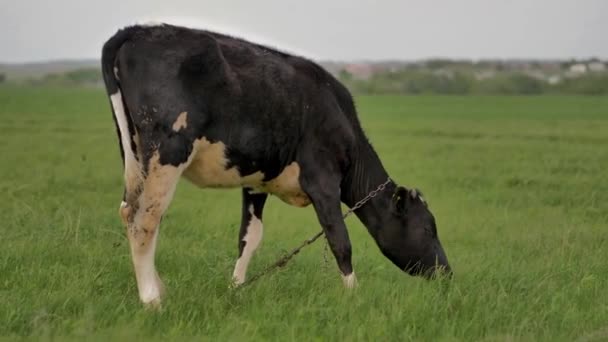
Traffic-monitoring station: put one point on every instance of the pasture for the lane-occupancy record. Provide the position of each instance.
(518, 185)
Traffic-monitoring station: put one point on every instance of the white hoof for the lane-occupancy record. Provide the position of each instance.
(350, 281)
(236, 283)
(151, 294)
(153, 305)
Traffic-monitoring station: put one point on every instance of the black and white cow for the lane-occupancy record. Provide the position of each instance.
(224, 112)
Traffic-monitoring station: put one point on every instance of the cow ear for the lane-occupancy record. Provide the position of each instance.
(416, 195)
(400, 199)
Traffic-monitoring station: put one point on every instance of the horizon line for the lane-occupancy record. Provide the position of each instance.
(356, 60)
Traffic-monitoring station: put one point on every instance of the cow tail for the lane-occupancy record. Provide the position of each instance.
(123, 120)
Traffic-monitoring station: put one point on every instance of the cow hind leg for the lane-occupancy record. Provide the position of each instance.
(143, 217)
(143, 202)
(250, 234)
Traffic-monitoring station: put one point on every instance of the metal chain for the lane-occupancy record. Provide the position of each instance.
(325, 259)
(366, 199)
(281, 262)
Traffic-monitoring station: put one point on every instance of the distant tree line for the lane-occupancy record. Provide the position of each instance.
(418, 81)
(433, 79)
(78, 77)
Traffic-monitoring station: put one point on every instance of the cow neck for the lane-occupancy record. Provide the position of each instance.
(365, 175)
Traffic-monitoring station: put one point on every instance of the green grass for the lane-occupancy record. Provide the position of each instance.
(519, 187)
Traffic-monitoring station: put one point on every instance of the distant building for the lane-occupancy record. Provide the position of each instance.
(596, 67)
(550, 67)
(484, 74)
(360, 71)
(555, 79)
(536, 74)
(578, 68)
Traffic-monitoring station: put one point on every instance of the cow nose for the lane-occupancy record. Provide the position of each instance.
(440, 267)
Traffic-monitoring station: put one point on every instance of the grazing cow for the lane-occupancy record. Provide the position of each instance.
(224, 112)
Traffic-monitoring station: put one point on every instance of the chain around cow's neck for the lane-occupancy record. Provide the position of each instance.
(281, 262)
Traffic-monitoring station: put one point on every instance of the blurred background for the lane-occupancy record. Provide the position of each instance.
(392, 47)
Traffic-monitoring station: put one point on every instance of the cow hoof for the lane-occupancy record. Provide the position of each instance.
(152, 297)
(350, 281)
(153, 305)
(235, 284)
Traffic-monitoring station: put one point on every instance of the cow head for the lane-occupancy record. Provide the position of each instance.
(409, 236)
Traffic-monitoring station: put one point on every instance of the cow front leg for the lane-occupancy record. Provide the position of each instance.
(250, 234)
(143, 218)
(324, 193)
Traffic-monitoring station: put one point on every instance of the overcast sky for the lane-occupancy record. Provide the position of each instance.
(356, 29)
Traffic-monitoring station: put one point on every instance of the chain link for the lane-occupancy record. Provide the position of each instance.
(366, 199)
(285, 259)
(325, 259)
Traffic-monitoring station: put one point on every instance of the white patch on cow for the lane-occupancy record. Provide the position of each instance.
(350, 281)
(208, 169)
(181, 122)
(116, 73)
(132, 169)
(123, 204)
(148, 282)
(254, 191)
(286, 186)
(252, 241)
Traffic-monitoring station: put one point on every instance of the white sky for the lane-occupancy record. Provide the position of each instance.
(345, 30)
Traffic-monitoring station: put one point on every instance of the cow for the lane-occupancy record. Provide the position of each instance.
(224, 112)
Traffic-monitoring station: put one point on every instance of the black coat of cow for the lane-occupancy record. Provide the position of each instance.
(225, 112)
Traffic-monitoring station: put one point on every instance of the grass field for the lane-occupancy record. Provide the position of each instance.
(519, 187)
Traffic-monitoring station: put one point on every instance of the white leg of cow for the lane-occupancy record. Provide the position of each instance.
(143, 205)
(252, 240)
(158, 188)
(149, 285)
(251, 233)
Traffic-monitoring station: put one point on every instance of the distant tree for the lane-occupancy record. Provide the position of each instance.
(461, 83)
(2, 78)
(345, 75)
(566, 64)
(510, 84)
(593, 84)
(50, 79)
(82, 76)
(491, 77)
(526, 85)
(79, 77)
(438, 63)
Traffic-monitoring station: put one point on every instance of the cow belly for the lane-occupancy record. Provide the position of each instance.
(286, 186)
(297, 199)
(207, 169)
